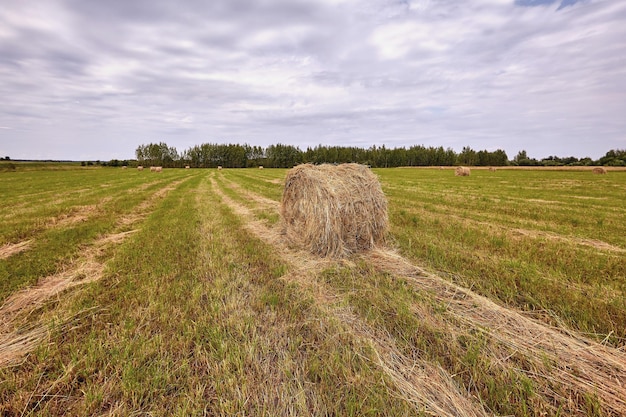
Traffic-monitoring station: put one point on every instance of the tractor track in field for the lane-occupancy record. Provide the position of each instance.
(19, 334)
(584, 367)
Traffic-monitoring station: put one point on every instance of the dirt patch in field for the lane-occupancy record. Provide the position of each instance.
(11, 249)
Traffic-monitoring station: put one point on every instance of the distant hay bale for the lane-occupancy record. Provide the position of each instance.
(158, 169)
(219, 168)
(260, 166)
(462, 172)
(124, 167)
(152, 169)
(139, 168)
(599, 170)
(333, 210)
(492, 169)
(187, 167)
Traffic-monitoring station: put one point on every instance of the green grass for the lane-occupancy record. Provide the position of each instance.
(523, 237)
(194, 315)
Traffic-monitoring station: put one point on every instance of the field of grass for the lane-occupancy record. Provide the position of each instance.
(140, 293)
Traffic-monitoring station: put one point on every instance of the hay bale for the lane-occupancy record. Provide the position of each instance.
(187, 167)
(260, 166)
(139, 168)
(124, 167)
(462, 172)
(599, 170)
(158, 169)
(492, 169)
(152, 169)
(333, 210)
(219, 168)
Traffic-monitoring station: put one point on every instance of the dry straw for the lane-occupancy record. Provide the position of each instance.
(599, 170)
(333, 210)
(462, 171)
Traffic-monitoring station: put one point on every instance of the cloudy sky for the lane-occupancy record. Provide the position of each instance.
(91, 79)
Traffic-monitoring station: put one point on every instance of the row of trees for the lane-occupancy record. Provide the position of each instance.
(210, 155)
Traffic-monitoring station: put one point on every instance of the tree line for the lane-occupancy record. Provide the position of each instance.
(211, 155)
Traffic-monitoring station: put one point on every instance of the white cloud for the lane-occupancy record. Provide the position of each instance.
(100, 78)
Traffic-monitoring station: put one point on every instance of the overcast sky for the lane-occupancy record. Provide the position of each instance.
(92, 79)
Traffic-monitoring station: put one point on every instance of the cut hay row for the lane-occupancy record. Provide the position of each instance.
(334, 210)
(581, 366)
(20, 305)
(11, 249)
(462, 171)
(13, 345)
(540, 234)
(267, 203)
(580, 363)
(416, 381)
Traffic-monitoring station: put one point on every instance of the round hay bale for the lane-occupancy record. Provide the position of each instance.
(333, 210)
(139, 168)
(599, 170)
(187, 167)
(462, 172)
(219, 168)
(260, 166)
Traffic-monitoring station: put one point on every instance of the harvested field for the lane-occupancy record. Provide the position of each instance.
(180, 294)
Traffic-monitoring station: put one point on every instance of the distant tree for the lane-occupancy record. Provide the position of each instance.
(614, 157)
(7, 158)
(468, 156)
(83, 163)
(283, 156)
(522, 159)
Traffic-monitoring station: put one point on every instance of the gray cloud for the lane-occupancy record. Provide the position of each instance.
(92, 80)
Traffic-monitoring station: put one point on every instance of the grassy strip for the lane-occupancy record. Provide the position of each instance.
(267, 182)
(422, 329)
(56, 247)
(52, 196)
(478, 245)
(196, 322)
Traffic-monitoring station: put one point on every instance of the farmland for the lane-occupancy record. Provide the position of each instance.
(174, 293)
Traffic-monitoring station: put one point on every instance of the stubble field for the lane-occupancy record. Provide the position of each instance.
(174, 293)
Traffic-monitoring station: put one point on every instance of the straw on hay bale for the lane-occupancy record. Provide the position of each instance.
(187, 167)
(462, 171)
(333, 210)
(219, 168)
(599, 170)
(139, 168)
(260, 166)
